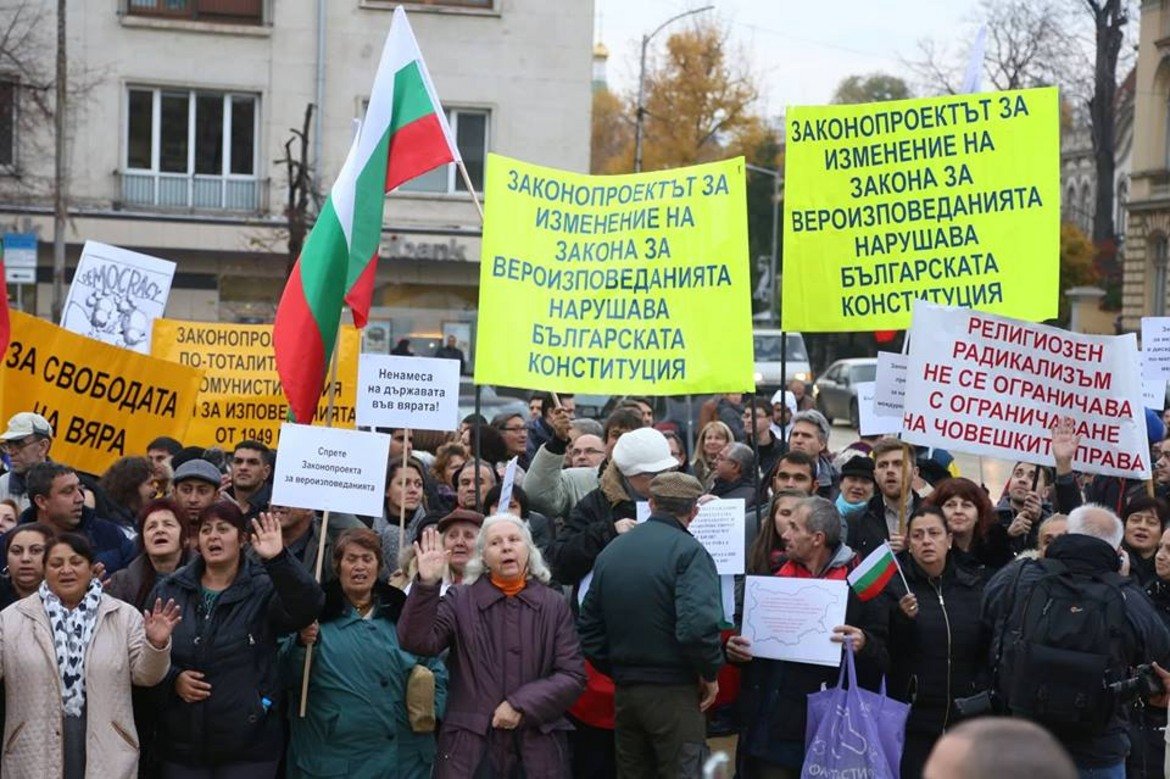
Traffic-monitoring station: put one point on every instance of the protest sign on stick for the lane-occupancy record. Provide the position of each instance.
(104, 402)
(116, 295)
(890, 384)
(420, 393)
(623, 284)
(993, 386)
(1156, 347)
(330, 469)
(241, 396)
(952, 199)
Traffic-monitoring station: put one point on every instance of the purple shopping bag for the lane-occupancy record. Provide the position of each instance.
(850, 728)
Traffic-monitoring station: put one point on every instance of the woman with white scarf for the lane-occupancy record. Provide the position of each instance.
(69, 654)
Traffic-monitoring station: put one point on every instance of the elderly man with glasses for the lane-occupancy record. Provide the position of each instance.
(25, 443)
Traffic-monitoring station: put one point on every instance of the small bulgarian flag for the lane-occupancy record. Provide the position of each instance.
(404, 135)
(873, 574)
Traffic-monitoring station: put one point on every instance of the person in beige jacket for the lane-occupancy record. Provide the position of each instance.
(68, 655)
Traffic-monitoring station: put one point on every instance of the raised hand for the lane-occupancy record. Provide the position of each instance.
(160, 621)
(561, 422)
(431, 557)
(266, 537)
(1064, 444)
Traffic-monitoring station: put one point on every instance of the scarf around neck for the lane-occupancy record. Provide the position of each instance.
(72, 631)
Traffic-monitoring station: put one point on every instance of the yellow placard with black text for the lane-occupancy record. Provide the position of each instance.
(241, 398)
(954, 200)
(102, 401)
(633, 283)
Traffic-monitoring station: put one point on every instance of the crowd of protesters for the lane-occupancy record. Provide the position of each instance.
(165, 618)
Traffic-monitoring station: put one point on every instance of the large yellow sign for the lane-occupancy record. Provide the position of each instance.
(102, 401)
(615, 284)
(954, 200)
(241, 397)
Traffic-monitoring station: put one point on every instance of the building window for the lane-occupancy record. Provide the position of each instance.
(470, 128)
(9, 89)
(229, 11)
(1159, 261)
(191, 149)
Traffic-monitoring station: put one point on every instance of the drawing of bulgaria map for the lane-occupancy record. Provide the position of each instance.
(793, 619)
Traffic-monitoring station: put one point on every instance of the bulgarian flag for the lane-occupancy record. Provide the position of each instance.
(404, 135)
(871, 577)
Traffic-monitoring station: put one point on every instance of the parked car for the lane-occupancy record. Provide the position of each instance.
(491, 402)
(766, 346)
(835, 392)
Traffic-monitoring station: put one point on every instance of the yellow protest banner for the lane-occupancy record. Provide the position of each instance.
(615, 284)
(954, 199)
(240, 398)
(102, 401)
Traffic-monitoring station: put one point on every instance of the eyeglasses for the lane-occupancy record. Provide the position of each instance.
(12, 447)
(513, 429)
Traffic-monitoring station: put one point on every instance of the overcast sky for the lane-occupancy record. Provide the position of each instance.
(799, 50)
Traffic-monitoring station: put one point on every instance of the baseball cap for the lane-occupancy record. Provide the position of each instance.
(197, 469)
(644, 450)
(27, 423)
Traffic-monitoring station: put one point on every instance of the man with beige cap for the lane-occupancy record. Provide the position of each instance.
(651, 620)
(26, 441)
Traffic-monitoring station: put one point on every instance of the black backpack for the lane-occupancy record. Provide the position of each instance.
(1067, 640)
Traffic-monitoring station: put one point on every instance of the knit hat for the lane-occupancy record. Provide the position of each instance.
(858, 466)
(644, 450)
(197, 469)
(27, 423)
(679, 486)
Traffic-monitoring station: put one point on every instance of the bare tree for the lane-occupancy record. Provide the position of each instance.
(1109, 20)
(301, 189)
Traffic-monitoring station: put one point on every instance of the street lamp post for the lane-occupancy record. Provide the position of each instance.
(641, 112)
(774, 260)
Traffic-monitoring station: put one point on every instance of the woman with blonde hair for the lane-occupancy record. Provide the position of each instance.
(515, 661)
(712, 438)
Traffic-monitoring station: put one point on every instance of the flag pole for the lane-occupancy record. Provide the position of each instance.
(470, 189)
(898, 565)
(330, 397)
(402, 497)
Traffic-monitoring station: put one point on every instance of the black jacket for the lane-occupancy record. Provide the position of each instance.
(1147, 724)
(111, 547)
(867, 529)
(988, 553)
(744, 488)
(589, 527)
(235, 647)
(940, 655)
(1149, 640)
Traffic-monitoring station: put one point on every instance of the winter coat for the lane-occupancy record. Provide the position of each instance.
(539, 434)
(356, 724)
(867, 530)
(939, 655)
(1149, 639)
(111, 547)
(117, 657)
(744, 488)
(127, 583)
(774, 693)
(1147, 724)
(589, 527)
(988, 553)
(653, 611)
(522, 649)
(235, 647)
(553, 489)
(387, 529)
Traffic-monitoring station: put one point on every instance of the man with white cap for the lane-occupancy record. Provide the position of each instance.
(26, 441)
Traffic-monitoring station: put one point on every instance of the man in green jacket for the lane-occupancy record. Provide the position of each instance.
(651, 621)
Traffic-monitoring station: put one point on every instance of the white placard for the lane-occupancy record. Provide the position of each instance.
(871, 423)
(116, 295)
(1154, 393)
(727, 597)
(720, 528)
(994, 386)
(1156, 348)
(889, 393)
(793, 619)
(506, 485)
(330, 469)
(421, 393)
(642, 511)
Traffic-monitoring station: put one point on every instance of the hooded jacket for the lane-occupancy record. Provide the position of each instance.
(234, 645)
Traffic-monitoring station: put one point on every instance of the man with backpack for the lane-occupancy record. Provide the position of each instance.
(1069, 632)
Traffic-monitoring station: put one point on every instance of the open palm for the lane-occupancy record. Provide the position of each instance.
(160, 621)
(266, 537)
(432, 559)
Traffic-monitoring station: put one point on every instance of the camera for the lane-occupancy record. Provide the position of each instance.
(1145, 682)
(978, 705)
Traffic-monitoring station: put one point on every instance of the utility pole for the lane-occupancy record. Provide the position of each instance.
(59, 171)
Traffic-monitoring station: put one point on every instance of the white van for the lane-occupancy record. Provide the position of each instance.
(766, 344)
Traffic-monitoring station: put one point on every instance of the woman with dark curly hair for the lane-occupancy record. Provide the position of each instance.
(128, 484)
(979, 540)
(449, 458)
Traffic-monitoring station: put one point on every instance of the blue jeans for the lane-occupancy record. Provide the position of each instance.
(1116, 771)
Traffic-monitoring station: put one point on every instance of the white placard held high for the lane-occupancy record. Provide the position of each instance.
(871, 423)
(1156, 347)
(330, 469)
(889, 393)
(793, 619)
(720, 528)
(116, 295)
(1154, 393)
(421, 393)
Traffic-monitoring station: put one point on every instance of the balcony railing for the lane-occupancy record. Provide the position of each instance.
(206, 193)
(231, 11)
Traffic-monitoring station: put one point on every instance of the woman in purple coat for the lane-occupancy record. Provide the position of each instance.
(515, 664)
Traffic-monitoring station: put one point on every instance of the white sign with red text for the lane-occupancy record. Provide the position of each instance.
(994, 386)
